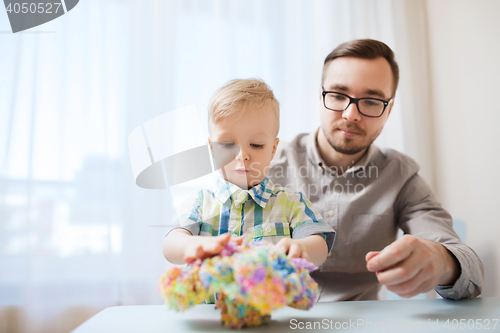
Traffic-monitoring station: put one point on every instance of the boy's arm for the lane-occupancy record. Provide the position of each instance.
(180, 246)
(311, 235)
(312, 248)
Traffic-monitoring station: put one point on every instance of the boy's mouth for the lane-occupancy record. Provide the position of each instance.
(242, 171)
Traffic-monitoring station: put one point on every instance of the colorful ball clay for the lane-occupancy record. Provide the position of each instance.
(250, 280)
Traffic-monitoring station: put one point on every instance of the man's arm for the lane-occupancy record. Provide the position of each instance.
(433, 256)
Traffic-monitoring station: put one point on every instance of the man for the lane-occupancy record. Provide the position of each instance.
(366, 193)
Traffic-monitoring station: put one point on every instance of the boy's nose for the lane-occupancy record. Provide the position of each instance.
(243, 155)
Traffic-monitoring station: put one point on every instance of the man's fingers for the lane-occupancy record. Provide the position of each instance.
(424, 287)
(393, 254)
(416, 285)
(371, 254)
(401, 273)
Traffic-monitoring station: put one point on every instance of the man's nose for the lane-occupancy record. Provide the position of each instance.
(351, 113)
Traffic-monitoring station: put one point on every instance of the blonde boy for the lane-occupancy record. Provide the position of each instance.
(243, 122)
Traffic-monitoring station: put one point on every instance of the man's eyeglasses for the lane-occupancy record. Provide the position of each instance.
(369, 107)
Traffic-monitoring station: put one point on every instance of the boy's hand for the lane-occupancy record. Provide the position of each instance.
(204, 247)
(293, 248)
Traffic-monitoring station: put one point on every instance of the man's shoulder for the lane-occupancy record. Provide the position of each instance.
(390, 157)
(293, 150)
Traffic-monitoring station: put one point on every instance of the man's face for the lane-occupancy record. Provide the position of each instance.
(245, 146)
(349, 132)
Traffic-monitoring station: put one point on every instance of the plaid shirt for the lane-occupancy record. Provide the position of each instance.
(264, 212)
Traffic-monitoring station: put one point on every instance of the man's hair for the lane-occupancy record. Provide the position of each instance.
(239, 96)
(365, 49)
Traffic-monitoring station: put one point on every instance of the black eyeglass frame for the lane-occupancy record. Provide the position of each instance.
(355, 101)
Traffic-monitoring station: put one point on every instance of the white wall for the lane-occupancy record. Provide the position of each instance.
(464, 45)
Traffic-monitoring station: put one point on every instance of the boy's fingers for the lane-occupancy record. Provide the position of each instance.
(224, 237)
(194, 254)
(239, 239)
(295, 251)
(284, 243)
(224, 240)
(284, 246)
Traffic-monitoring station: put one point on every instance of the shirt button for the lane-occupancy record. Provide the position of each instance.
(268, 229)
(237, 205)
(335, 182)
(331, 213)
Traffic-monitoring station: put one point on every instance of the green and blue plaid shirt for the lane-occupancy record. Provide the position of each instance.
(264, 212)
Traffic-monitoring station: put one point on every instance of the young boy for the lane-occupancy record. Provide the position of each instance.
(243, 122)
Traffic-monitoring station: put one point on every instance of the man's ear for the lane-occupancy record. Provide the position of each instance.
(389, 107)
(275, 146)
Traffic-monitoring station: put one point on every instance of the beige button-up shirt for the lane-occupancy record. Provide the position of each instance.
(366, 205)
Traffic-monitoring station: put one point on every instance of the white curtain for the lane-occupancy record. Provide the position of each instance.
(75, 231)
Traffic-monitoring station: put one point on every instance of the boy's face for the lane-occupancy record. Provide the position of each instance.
(252, 139)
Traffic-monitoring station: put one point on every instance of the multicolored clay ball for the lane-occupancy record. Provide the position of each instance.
(250, 281)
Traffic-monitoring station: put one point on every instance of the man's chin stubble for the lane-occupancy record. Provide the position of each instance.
(345, 150)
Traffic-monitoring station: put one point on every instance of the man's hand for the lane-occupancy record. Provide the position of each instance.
(294, 248)
(410, 266)
(204, 247)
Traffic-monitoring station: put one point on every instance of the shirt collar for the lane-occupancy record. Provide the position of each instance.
(260, 193)
(316, 159)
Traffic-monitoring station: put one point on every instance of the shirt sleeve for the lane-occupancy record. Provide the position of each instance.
(190, 214)
(305, 221)
(420, 214)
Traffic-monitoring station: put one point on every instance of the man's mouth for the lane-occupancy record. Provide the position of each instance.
(348, 132)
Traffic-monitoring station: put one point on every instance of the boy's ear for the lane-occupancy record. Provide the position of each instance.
(210, 144)
(275, 146)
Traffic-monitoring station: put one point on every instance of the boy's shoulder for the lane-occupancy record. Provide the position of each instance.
(289, 192)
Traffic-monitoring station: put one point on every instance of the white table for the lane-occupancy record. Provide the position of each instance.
(434, 315)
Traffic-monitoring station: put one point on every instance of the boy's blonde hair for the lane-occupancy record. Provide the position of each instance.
(238, 96)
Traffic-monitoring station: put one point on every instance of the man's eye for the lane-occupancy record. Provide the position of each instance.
(371, 102)
(339, 97)
(256, 145)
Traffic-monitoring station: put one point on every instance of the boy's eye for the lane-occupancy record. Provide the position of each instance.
(226, 144)
(256, 145)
